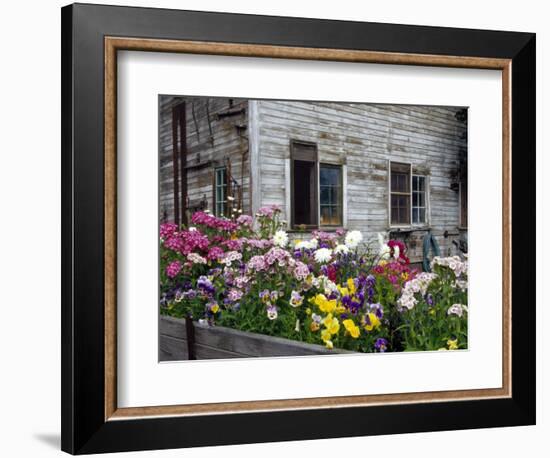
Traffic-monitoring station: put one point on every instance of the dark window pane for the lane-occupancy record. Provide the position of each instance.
(415, 183)
(422, 215)
(415, 199)
(325, 214)
(415, 215)
(335, 195)
(325, 195)
(304, 193)
(330, 181)
(329, 175)
(400, 182)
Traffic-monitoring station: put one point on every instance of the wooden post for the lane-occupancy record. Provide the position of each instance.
(190, 329)
(175, 161)
(182, 118)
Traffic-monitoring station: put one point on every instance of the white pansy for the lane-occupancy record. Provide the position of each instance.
(353, 239)
(327, 285)
(456, 309)
(306, 244)
(385, 251)
(280, 239)
(396, 252)
(323, 255)
(340, 248)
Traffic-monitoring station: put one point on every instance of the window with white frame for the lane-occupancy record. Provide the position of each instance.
(419, 201)
(408, 196)
(220, 191)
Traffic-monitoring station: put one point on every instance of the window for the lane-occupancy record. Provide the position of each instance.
(316, 188)
(400, 194)
(418, 199)
(408, 196)
(330, 187)
(220, 191)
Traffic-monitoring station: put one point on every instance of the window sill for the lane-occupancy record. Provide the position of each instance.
(409, 228)
(311, 229)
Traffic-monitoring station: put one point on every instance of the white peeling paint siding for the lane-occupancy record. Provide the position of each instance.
(365, 138)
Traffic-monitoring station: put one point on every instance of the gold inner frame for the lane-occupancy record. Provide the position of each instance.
(114, 44)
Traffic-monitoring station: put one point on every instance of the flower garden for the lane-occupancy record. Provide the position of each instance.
(333, 289)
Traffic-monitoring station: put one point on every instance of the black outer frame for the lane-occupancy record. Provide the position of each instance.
(84, 429)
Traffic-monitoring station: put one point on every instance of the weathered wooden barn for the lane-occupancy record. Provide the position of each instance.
(396, 169)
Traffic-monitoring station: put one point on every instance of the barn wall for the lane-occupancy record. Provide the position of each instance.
(364, 138)
(216, 131)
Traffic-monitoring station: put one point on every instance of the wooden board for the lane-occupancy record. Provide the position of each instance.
(214, 342)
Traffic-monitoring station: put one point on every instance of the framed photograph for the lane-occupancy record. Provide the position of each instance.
(269, 222)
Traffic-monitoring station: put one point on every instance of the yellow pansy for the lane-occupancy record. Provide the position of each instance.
(382, 262)
(352, 328)
(308, 311)
(329, 344)
(215, 308)
(373, 322)
(351, 286)
(343, 291)
(452, 344)
(314, 326)
(340, 308)
(405, 276)
(331, 324)
(325, 335)
(324, 304)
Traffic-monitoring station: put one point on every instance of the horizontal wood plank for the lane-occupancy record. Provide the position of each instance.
(232, 342)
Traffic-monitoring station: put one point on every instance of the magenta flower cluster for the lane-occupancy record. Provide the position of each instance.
(269, 210)
(186, 242)
(213, 222)
(173, 269)
(167, 230)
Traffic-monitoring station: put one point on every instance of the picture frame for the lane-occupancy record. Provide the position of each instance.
(92, 35)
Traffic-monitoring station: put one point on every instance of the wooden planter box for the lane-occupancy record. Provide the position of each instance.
(215, 342)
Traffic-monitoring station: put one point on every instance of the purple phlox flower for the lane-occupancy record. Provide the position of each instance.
(234, 295)
(215, 253)
(301, 271)
(245, 220)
